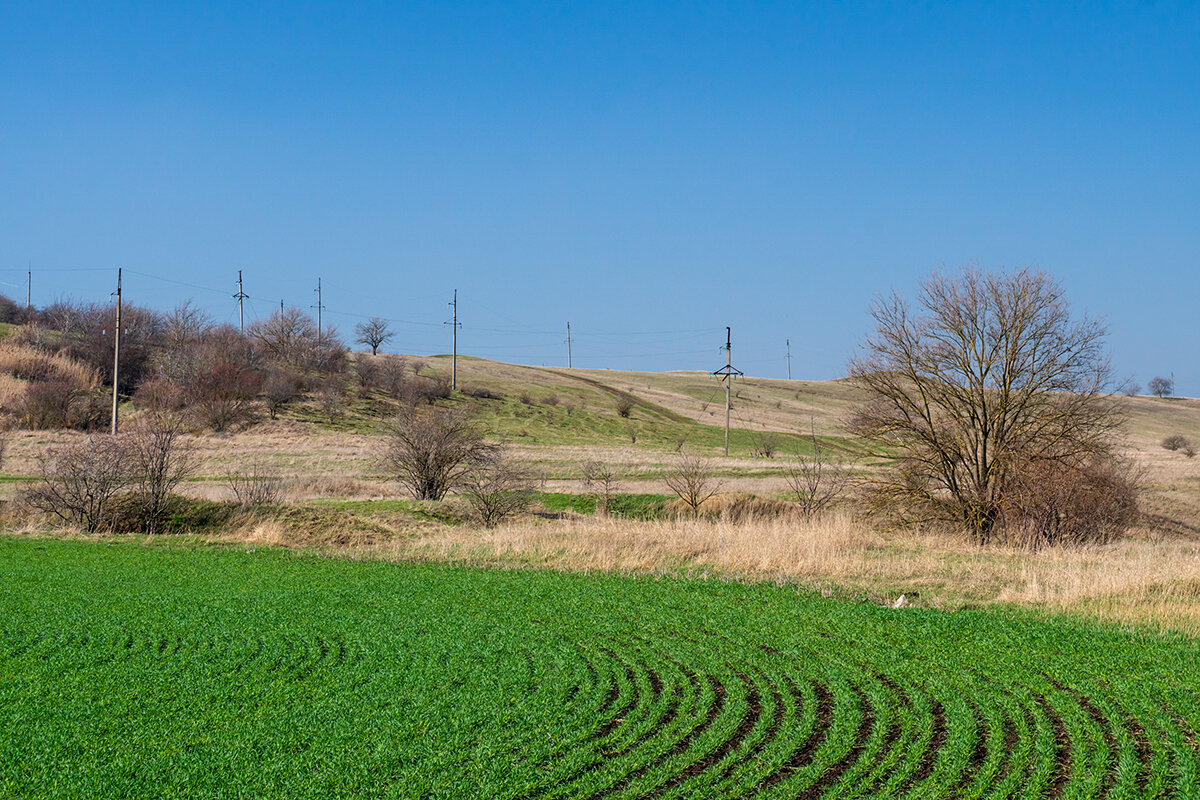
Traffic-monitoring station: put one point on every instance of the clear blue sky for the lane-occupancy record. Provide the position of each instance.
(664, 170)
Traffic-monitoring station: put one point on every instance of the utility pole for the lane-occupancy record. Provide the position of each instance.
(116, 353)
(240, 296)
(281, 308)
(320, 306)
(454, 325)
(727, 372)
(568, 345)
(789, 357)
(29, 290)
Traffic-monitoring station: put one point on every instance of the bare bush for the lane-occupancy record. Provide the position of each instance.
(625, 406)
(77, 482)
(1053, 502)
(4, 435)
(1131, 389)
(226, 383)
(605, 477)
(766, 444)
(816, 482)
(280, 387)
(158, 458)
(1175, 442)
(430, 449)
(482, 393)
(988, 373)
(550, 400)
(331, 395)
(290, 336)
(692, 479)
(496, 487)
(255, 485)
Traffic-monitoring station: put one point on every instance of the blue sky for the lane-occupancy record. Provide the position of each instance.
(649, 172)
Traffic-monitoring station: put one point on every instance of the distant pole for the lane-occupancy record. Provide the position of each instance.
(568, 345)
(29, 291)
(240, 296)
(454, 325)
(1172, 383)
(789, 357)
(727, 373)
(281, 307)
(320, 306)
(116, 353)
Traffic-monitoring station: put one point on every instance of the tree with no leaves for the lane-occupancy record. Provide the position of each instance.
(817, 482)
(78, 481)
(984, 376)
(1161, 387)
(430, 449)
(496, 487)
(692, 480)
(373, 333)
(158, 457)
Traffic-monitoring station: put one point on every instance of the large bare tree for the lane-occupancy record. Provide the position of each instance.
(431, 449)
(373, 333)
(985, 375)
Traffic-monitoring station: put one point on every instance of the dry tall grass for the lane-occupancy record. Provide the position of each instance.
(1141, 582)
(31, 364)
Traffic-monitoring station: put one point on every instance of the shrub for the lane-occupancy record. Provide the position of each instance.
(550, 400)
(817, 482)
(625, 406)
(78, 481)
(256, 484)
(1175, 442)
(430, 450)
(280, 387)
(692, 480)
(766, 444)
(481, 393)
(605, 477)
(159, 458)
(496, 487)
(1053, 502)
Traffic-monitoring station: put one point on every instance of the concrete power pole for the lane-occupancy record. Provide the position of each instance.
(116, 353)
(789, 357)
(320, 307)
(454, 326)
(568, 345)
(29, 291)
(727, 372)
(240, 296)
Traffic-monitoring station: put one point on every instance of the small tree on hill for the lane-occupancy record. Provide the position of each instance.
(373, 333)
(1161, 387)
(158, 458)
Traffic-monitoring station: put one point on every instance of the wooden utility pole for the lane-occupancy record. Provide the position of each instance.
(240, 296)
(727, 372)
(789, 357)
(568, 345)
(116, 354)
(453, 323)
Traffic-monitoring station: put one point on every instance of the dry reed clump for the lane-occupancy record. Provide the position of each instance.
(12, 393)
(31, 364)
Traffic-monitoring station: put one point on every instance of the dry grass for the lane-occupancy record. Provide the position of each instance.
(31, 364)
(1142, 582)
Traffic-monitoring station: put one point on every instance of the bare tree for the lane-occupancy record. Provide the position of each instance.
(605, 477)
(496, 487)
(373, 333)
(158, 458)
(766, 444)
(78, 481)
(986, 374)
(816, 482)
(1175, 441)
(430, 449)
(255, 484)
(692, 480)
(1161, 387)
(1131, 389)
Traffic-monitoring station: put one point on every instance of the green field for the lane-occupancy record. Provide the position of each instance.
(166, 671)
